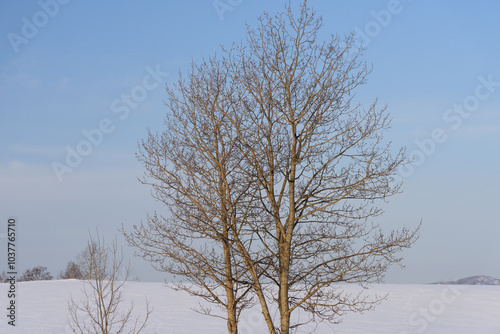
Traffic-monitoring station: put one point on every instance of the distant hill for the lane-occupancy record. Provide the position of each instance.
(474, 280)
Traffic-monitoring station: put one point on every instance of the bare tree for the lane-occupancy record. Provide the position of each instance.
(268, 162)
(39, 273)
(90, 264)
(100, 311)
(72, 271)
(193, 168)
(3, 277)
(320, 162)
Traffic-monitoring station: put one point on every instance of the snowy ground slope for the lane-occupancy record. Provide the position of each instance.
(42, 308)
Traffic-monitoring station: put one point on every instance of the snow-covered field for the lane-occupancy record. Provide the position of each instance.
(42, 308)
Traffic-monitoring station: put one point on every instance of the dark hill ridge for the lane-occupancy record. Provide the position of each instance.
(474, 280)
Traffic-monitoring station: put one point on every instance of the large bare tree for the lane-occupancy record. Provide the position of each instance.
(320, 163)
(194, 169)
(269, 163)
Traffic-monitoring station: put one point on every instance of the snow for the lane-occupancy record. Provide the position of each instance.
(42, 308)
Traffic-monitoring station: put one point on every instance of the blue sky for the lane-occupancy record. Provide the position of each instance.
(68, 68)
